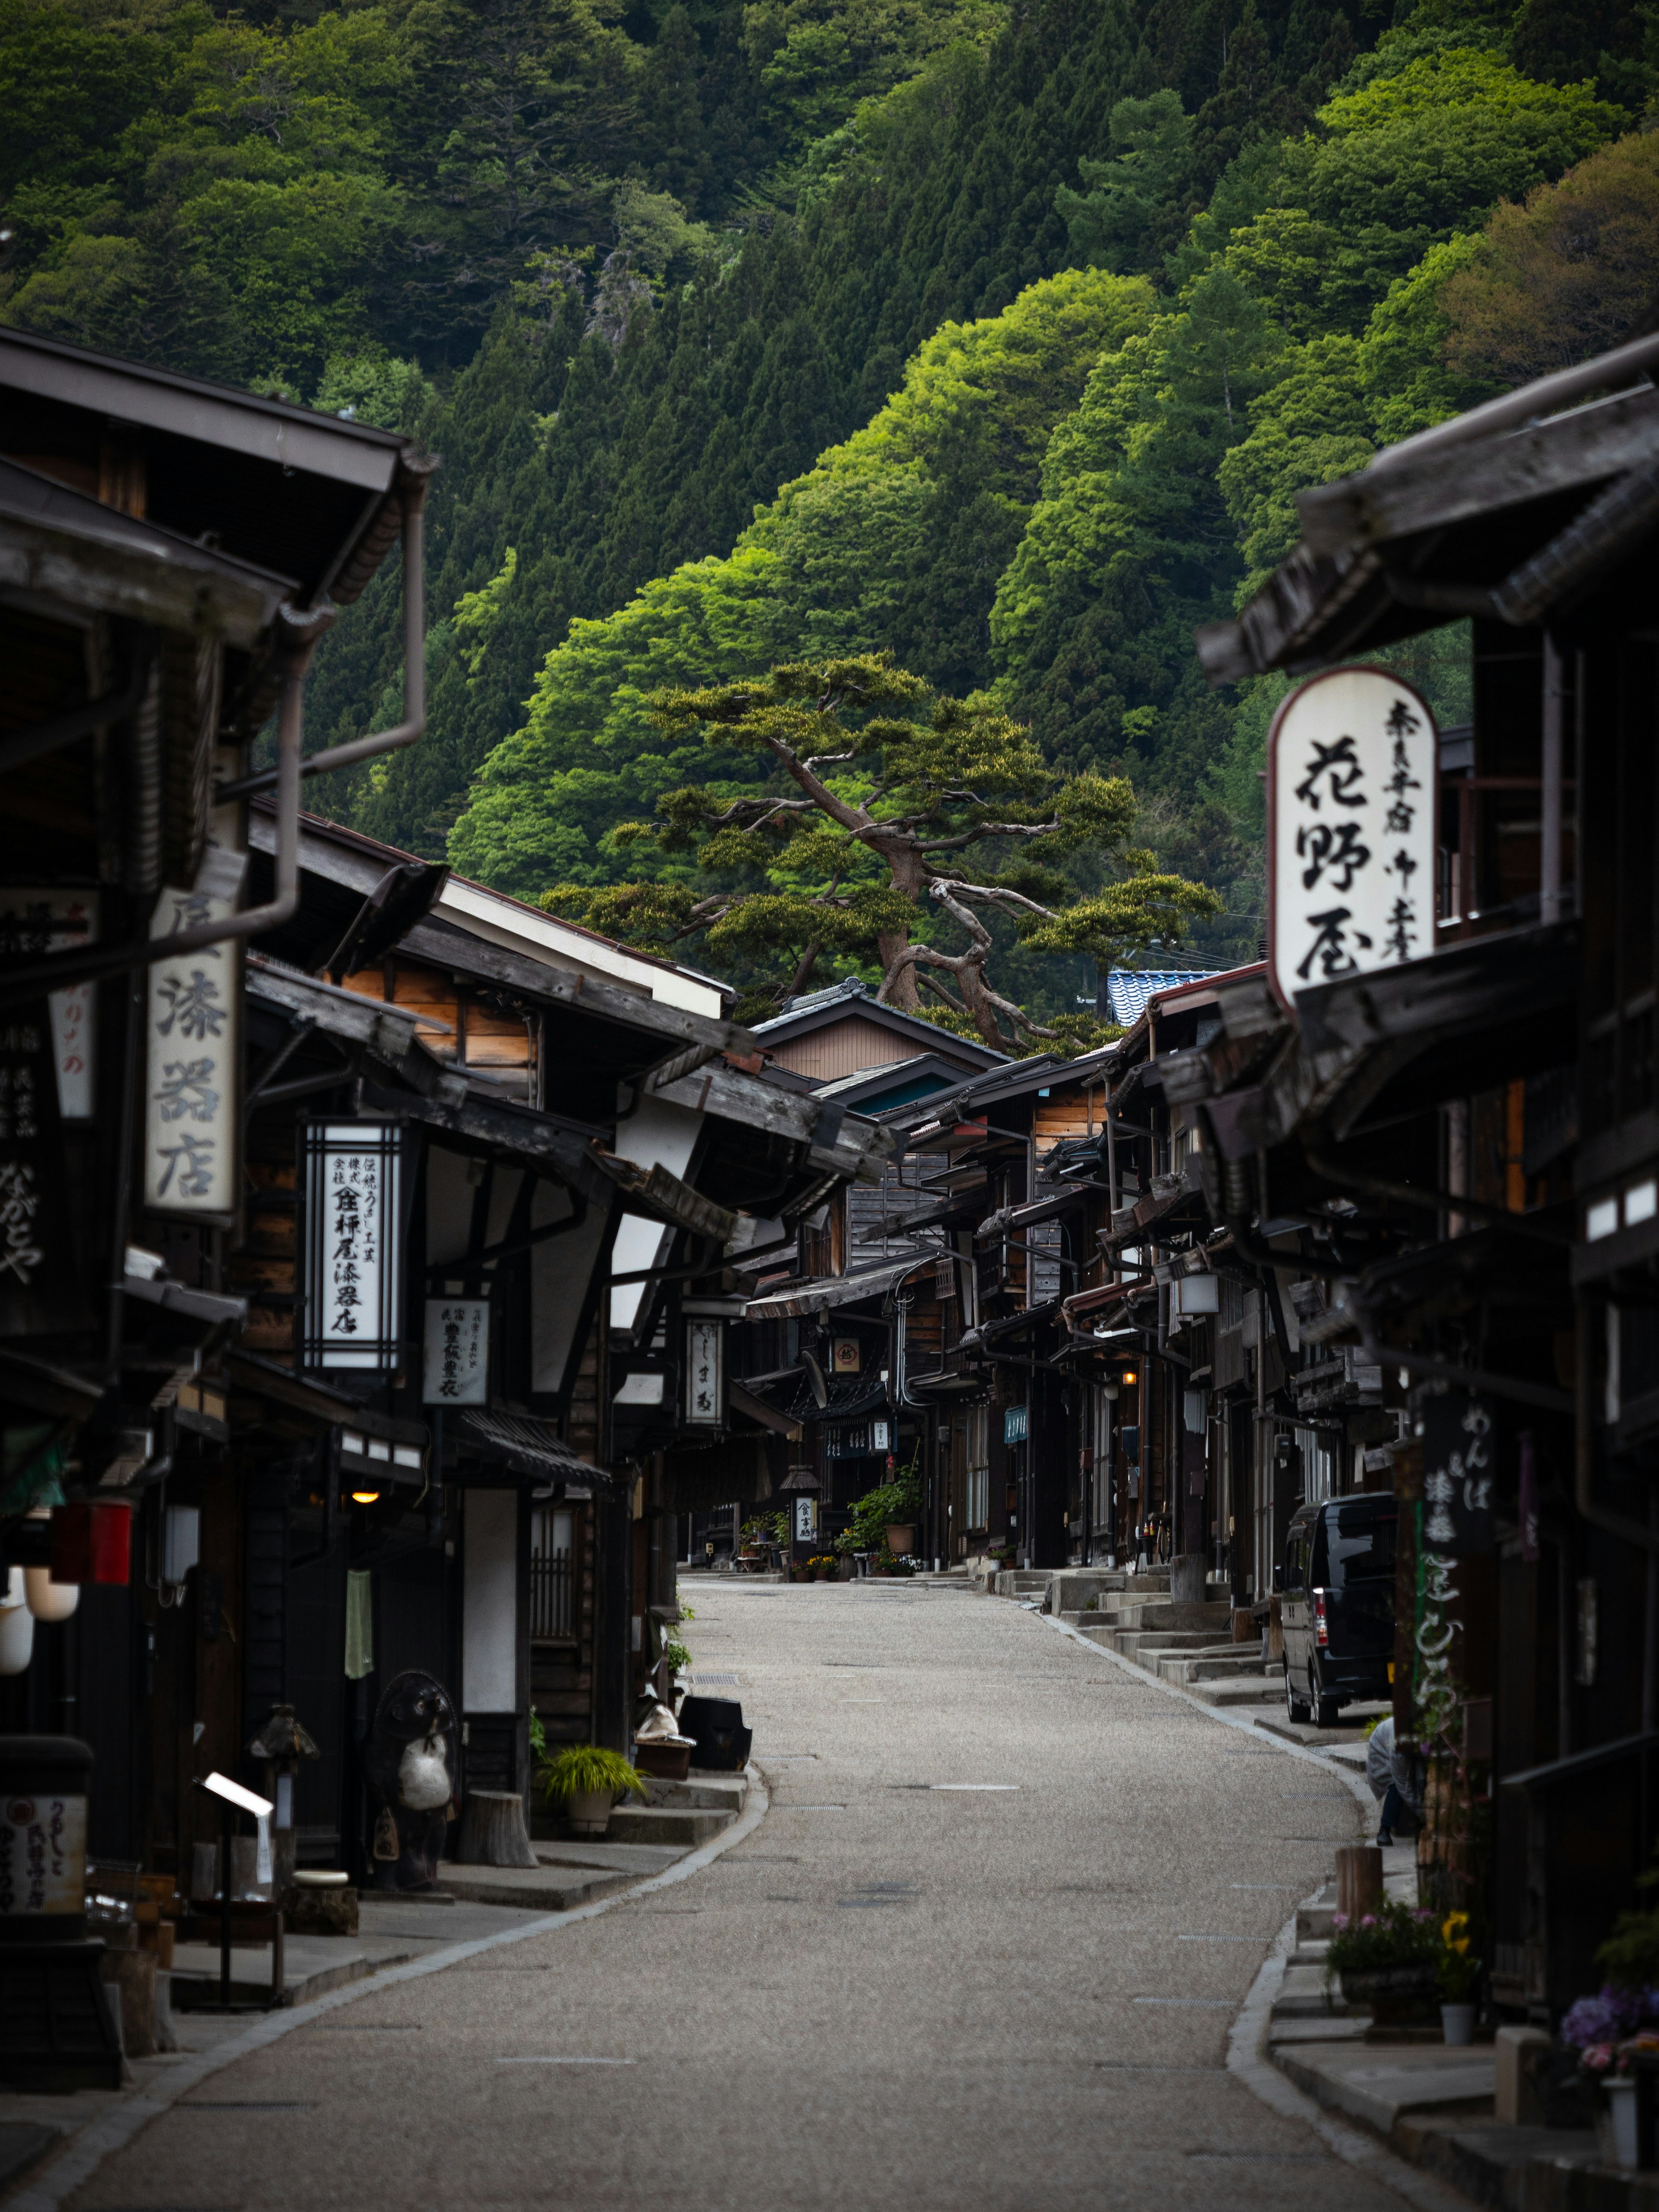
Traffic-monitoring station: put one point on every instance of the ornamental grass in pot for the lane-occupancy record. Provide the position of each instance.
(1388, 1963)
(585, 1781)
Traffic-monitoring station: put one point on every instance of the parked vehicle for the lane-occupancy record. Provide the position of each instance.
(1337, 1604)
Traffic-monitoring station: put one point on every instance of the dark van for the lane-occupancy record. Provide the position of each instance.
(1337, 1604)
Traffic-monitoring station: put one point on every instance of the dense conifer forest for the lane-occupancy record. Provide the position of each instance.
(997, 338)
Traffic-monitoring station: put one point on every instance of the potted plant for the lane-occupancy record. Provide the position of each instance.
(1459, 1979)
(585, 1781)
(1387, 1962)
(884, 1515)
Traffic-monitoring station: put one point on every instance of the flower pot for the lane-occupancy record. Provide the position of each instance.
(588, 1812)
(1621, 2111)
(1457, 2024)
(900, 1538)
(669, 1758)
(1393, 1995)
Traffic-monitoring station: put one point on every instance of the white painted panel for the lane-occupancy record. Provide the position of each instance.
(561, 1274)
(658, 1135)
(489, 1603)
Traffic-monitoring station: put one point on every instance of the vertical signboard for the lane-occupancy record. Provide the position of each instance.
(1352, 762)
(1459, 1453)
(193, 1053)
(353, 1245)
(457, 1364)
(38, 1276)
(35, 922)
(705, 1377)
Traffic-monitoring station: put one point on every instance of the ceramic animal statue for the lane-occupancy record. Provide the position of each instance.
(411, 1769)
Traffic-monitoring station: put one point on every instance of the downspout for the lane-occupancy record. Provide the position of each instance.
(82, 963)
(1549, 877)
(406, 731)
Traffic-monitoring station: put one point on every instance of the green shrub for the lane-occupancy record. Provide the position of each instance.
(581, 1769)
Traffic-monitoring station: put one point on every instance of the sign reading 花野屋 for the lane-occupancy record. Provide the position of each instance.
(1353, 761)
(457, 1364)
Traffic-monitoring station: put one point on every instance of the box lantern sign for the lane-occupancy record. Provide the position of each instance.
(457, 1364)
(705, 1373)
(1352, 781)
(193, 1053)
(353, 1245)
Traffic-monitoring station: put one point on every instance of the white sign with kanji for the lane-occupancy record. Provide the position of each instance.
(1352, 780)
(705, 1384)
(457, 1364)
(193, 1062)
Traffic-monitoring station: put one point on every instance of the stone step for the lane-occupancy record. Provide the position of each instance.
(665, 1824)
(532, 1889)
(1022, 1582)
(1189, 1669)
(1242, 1690)
(1302, 1996)
(704, 1793)
(1145, 1646)
(1170, 1613)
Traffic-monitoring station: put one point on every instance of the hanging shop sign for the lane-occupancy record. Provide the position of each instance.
(1013, 1425)
(353, 1245)
(705, 1372)
(457, 1365)
(33, 922)
(38, 1278)
(1352, 785)
(192, 1081)
(846, 1355)
(1459, 1456)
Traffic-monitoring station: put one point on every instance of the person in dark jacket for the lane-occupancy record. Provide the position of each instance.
(1392, 1776)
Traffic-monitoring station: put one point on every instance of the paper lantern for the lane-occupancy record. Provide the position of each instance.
(16, 1626)
(46, 1599)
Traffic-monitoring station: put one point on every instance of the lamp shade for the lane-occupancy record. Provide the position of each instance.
(17, 1626)
(46, 1599)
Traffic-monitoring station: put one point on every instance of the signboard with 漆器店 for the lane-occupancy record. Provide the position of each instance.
(1352, 783)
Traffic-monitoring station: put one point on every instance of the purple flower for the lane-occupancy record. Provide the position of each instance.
(1339, 1920)
(1368, 1920)
(1603, 2018)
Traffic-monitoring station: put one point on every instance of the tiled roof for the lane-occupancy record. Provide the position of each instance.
(1128, 989)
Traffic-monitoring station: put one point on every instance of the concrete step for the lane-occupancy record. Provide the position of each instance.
(1022, 1582)
(533, 1889)
(1146, 1646)
(1303, 1995)
(1240, 1690)
(1189, 1669)
(665, 1824)
(1377, 2085)
(1167, 1612)
(703, 1793)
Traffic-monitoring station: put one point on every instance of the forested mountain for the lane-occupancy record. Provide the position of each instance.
(999, 338)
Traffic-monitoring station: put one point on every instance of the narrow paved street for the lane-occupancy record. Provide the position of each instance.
(982, 1953)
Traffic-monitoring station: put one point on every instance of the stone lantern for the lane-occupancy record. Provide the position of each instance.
(280, 1746)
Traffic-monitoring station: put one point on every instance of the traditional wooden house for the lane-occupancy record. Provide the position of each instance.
(1456, 1142)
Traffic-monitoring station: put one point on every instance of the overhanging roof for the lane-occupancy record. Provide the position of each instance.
(1497, 513)
(317, 495)
(828, 1290)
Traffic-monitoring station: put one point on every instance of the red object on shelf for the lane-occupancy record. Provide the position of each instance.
(91, 1542)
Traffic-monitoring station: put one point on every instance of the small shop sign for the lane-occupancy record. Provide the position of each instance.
(1013, 1425)
(457, 1364)
(1352, 785)
(705, 1372)
(35, 922)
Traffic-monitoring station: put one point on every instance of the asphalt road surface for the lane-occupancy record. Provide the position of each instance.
(982, 1955)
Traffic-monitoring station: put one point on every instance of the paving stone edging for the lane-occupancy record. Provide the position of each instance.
(113, 2130)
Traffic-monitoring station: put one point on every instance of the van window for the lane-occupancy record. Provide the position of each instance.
(1295, 1557)
(1359, 1544)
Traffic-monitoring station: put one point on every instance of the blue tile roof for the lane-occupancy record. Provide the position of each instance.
(1128, 989)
